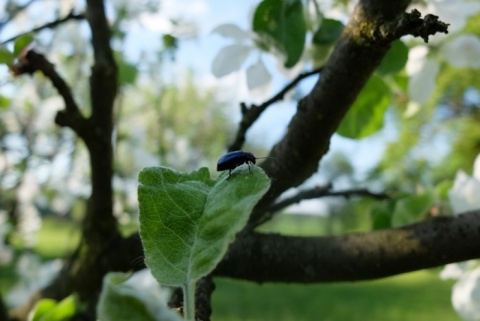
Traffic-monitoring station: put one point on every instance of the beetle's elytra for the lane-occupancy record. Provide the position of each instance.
(234, 159)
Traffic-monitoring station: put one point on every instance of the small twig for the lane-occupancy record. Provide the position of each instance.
(315, 192)
(49, 25)
(413, 24)
(325, 191)
(252, 113)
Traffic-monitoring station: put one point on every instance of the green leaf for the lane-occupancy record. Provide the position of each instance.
(50, 310)
(127, 73)
(329, 32)
(21, 43)
(122, 302)
(442, 189)
(365, 117)
(6, 57)
(283, 22)
(382, 214)
(412, 208)
(395, 59)
(4, 102)
(187, 220)
(42, 308)
(169, 41)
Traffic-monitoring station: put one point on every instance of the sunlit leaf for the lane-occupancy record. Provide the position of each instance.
(229, 59)
(42, 308)
(187, 220)
(50, 310)
(283, 22)
(395, 59)
(366, 115)
(4, 102)
(329, 32)
(6, 57)
(21, 43)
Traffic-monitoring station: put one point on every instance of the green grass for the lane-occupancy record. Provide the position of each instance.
(418, 296)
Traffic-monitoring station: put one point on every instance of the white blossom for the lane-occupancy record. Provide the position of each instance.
(466, 295)
(462, 52)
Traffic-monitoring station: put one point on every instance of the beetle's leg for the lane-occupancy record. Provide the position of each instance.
(229, 174)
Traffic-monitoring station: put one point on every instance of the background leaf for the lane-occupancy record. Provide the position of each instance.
(365, 117)
(6, 57)
(21, 43)
(121, 302)
(187, 220)
(329, 31)
(283, 22)
(395, 59)
(50, 310)
(412, 208)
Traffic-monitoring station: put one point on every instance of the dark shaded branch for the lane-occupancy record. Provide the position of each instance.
(325, 191)
(354, 257)
(100, 223)
(413, 24)
(3, 310)
(361, 48)
(70, 116)
(50, 25)
(252, 113)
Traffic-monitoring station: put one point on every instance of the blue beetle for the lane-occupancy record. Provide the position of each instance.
(234, 159)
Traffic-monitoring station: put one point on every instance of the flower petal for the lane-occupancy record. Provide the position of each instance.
(462, 52)
(229, 59)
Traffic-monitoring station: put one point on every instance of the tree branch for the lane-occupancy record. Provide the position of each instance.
(354, 257)
(100, 222)
(251, 114)
(71, 116)
(49, 25)
(359, 51)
